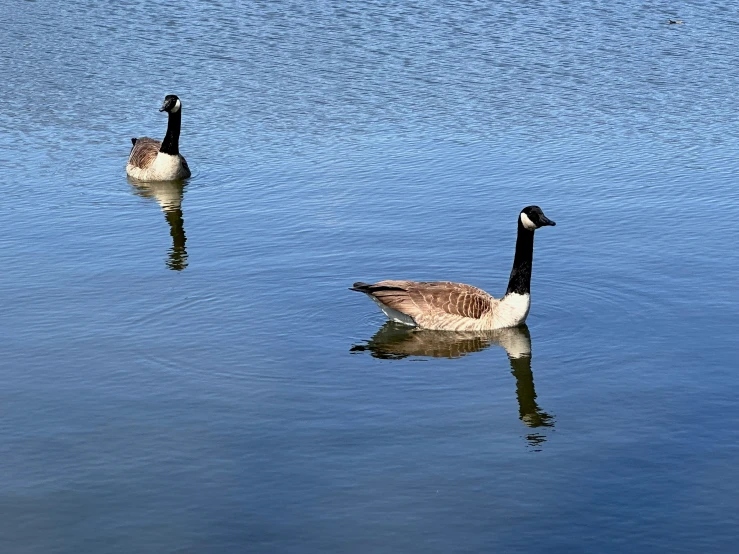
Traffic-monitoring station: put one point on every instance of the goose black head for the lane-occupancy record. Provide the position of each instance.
(531, 217)
(171, 104)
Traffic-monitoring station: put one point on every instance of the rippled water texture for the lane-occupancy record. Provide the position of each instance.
(184, 369)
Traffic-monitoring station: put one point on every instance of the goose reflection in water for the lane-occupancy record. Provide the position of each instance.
(169, 196)
(394, 341)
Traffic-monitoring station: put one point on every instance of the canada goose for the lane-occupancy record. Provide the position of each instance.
(449, 306)
(152, 160)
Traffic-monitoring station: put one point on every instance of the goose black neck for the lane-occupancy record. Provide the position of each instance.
(171, 142)
(520, 281)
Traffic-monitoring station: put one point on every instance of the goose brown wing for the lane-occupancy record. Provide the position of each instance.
(143, 152)
(416, 298)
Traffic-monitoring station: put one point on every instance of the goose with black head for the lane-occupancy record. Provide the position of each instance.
(153, 160)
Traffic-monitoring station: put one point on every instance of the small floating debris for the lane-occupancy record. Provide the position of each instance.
(674, 21)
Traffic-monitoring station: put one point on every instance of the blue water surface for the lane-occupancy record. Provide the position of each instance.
(184, 370)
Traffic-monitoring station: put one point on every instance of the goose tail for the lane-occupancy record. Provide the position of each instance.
(359, 286)
(366, 288)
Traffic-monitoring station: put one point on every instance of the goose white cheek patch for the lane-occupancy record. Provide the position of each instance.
(177, 106)
(527, 223)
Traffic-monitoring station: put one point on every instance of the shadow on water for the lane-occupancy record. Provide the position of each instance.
(169, 196)
(394, 341)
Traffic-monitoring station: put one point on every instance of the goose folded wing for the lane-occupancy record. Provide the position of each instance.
(432, 298)
(144, 152)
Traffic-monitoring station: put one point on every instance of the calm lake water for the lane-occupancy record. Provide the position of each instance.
(184, 369)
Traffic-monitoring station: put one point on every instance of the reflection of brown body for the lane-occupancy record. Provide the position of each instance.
(169, 196)
(394, 341)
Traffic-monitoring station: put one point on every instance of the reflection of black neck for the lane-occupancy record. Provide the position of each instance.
(528, 409)
(520, 281)
(171, 142)
(177, 255)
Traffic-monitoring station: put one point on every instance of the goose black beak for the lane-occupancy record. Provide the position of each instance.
(544, 220)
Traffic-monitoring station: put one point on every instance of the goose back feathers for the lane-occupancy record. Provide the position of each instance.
(431, 305)
(143, 152)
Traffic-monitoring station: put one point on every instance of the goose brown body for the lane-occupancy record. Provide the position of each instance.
(143, 152)
(436, 304)
(147, 163)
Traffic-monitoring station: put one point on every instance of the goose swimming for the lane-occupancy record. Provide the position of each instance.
(153, 160)
(442, 305)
